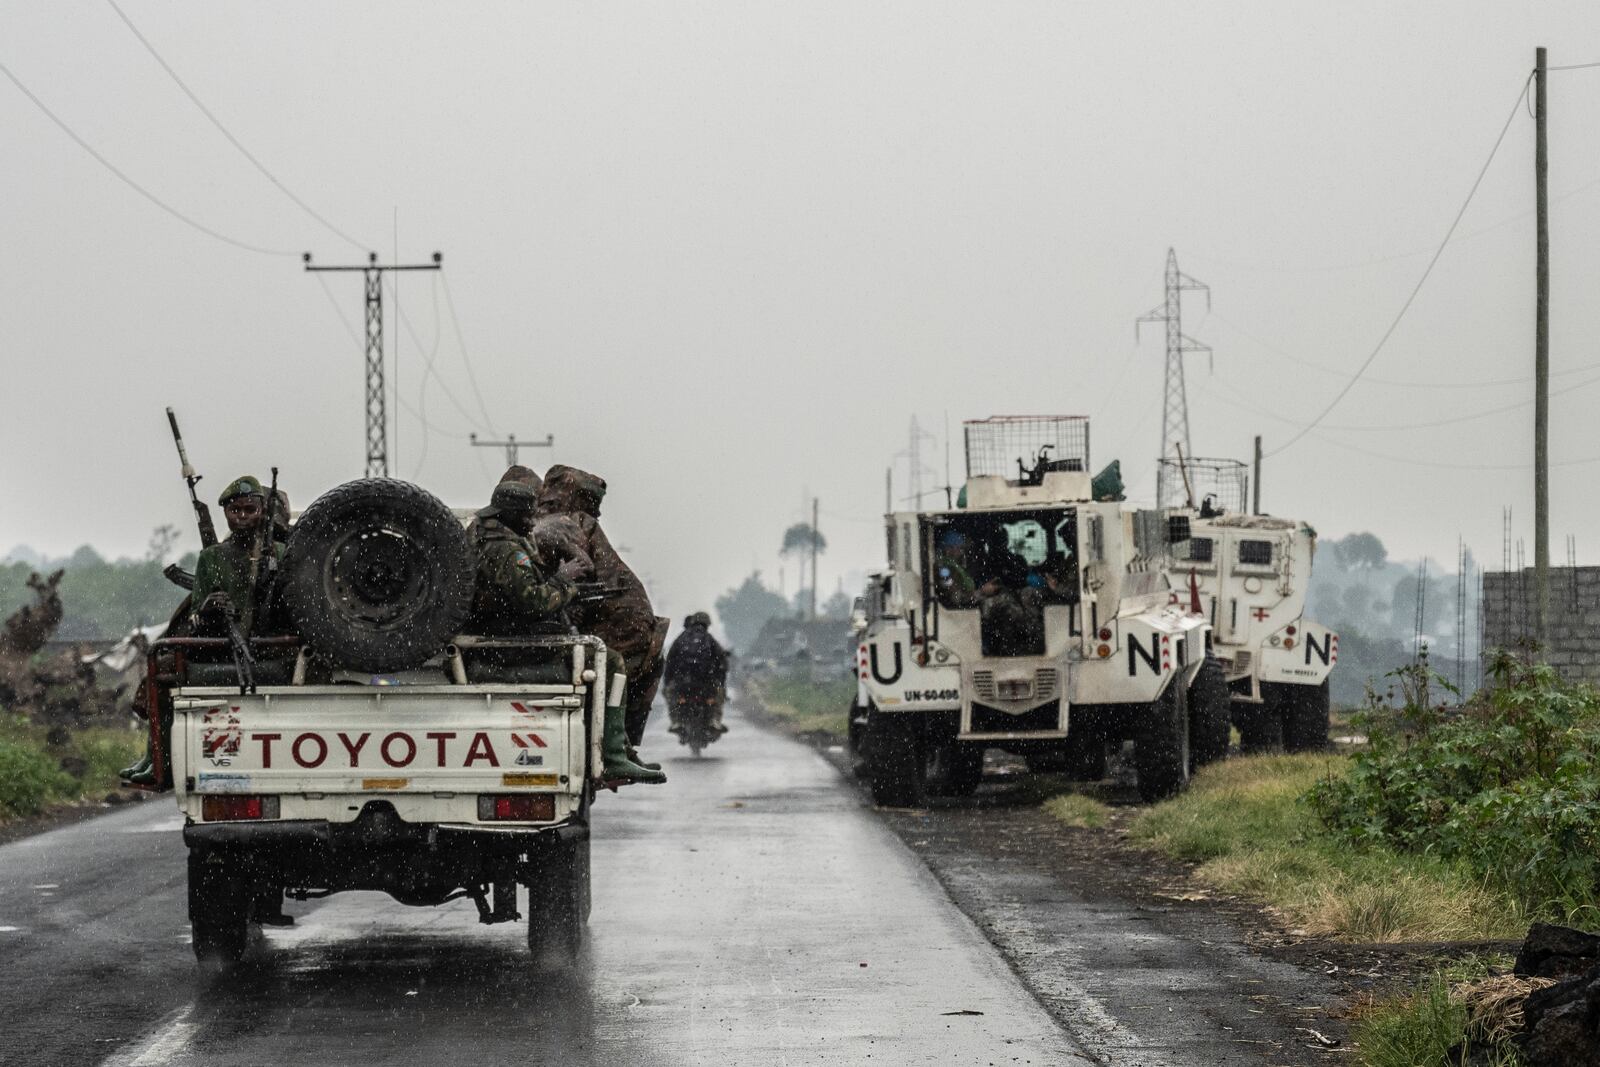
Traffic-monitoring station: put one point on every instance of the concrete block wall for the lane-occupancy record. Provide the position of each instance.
(1507, 608)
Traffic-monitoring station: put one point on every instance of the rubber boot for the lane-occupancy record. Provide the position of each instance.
(614, 762)
(150, 774)
(633, 757)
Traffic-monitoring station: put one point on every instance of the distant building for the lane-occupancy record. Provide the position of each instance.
(1508, 617)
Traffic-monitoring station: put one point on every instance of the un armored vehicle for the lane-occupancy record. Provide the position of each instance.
(1037, 616)
(1252, 572)
(375, 746)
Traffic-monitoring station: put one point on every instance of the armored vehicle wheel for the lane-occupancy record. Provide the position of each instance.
(1209, 707)
(219, 908)
(378, 575)
(558, 892)
(1260, 725)
(894, 758)
(1161, 751)
(1305, 717)
(955, 768)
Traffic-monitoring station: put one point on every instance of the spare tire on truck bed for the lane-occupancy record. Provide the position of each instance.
(378, 575)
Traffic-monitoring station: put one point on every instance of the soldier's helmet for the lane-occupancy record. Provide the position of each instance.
(244, 485)
(700, 619)
(514, 498)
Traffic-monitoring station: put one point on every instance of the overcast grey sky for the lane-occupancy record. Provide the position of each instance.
(724, 252)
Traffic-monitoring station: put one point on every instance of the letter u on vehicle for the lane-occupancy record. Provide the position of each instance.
(899, 668)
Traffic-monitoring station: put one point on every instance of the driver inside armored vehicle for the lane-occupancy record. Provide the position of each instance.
(1009, 566)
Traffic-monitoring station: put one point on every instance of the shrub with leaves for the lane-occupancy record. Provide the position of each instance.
(1508, 785)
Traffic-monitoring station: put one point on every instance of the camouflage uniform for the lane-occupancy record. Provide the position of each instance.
(512, 595)
(225, 566)
(511, 591)
(569, 528)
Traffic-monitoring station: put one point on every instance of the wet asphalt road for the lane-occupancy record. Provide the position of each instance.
(749, 912)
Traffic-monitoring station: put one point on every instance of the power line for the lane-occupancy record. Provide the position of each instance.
(355, 339)
(1234, 400)
(455, 321)
(284, 189)
(135, 186)
(1393, 382)
(1427, 271)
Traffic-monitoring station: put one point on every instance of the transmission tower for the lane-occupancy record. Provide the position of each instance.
(377, 413)
(512, 445)
(916, 468)
(1175, 402)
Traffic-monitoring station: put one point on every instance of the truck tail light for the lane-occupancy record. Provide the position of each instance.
(234, 808)
(517, 807)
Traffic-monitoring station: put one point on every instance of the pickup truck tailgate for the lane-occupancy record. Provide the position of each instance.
(411, 739)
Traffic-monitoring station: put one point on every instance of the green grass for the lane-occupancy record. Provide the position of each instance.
(1422, 1028)
(1244, 823)
(31, 775)
(1075, 809)
(807, 707)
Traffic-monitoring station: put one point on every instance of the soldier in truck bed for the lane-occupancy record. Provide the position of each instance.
(222, 588)
(512, 596)
(569, 528)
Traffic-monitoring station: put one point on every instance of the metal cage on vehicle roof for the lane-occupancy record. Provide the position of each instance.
(1023, 447)
(1225, 481)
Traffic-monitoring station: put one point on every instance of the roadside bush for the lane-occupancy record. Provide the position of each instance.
(807, 705)
(29, 779)
(1508, 786)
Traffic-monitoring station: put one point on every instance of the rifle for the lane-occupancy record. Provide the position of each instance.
(202, 513)
(244, 663)
(266, 534)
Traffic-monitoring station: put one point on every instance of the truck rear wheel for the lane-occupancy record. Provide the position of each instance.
(1209, 713)
(219, 908)
(1161, 751)
(955, 768)
(558, 896)
(894, 758)
(1305, 717)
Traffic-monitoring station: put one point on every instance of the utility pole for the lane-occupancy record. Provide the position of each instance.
(1175, 402)
(814, 536)
(1541, 366)
(511, 445)
(377, 412)
(1255, 483)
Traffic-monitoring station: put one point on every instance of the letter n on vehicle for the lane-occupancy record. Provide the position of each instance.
(1136, 653)
(1321, 650)
(899, 668)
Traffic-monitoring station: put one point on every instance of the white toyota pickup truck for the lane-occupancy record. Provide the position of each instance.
(457, 766)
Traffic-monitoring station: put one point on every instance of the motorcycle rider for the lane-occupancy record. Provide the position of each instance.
(697, 668)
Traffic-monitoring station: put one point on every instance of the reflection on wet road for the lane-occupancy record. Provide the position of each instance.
(749, 912)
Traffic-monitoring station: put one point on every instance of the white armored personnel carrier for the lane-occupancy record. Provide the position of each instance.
(1036, 616)
(1252, 572)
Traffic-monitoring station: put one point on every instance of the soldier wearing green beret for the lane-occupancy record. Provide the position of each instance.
(512, 595)
(222, 587)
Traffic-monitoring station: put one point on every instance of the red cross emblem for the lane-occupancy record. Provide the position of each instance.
(1259, 613)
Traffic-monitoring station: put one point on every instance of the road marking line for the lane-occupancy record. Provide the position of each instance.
(161, 1047)
(9, 929)
(172, 822)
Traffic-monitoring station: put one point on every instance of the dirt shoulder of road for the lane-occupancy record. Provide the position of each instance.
(65, 814)
(1242, 985)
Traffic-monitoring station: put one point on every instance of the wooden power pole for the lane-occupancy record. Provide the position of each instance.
(1541, 366)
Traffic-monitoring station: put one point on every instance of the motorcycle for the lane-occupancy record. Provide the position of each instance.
(695, 718)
